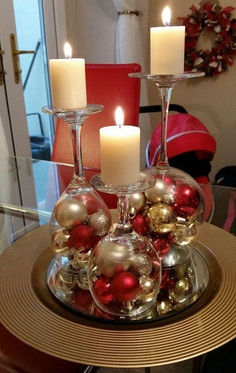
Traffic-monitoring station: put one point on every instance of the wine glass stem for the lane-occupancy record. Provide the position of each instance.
(123, 205)
(165, 95)
(75, 131)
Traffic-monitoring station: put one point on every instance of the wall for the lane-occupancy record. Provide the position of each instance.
(91, 29)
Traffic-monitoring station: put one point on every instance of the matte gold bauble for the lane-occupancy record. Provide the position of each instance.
(161, 219)
(100, 221)
(112, 258)
(137, 202)
(70, 212)
(59, 240)
(160, 192)
(184, 234)
(142, 264)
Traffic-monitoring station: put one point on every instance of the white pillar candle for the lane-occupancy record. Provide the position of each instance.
(120, 153)
(68, 82)
(167, 47)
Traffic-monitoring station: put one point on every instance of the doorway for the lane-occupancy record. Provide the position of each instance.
(35, 79)
(21, 120)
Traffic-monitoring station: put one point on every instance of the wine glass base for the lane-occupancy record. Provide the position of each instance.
(167, 80)
(144, 182)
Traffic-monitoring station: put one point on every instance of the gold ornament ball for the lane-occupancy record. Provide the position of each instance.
(164, 306)
(137, 202)
(112, 258)
(183, 285)
(161, 218)
(147, 284)
(184, 234)
(181, 269)
(70, 212)
(148, 291)
(100, 221)
(81, 258)
(160, 192)
(142, 264)
(59, 240)
(181, 290)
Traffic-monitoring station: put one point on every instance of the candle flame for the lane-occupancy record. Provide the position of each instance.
(119, 116)
(166, 16)
(67, 50)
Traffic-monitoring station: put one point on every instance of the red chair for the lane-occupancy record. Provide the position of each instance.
(108, 85)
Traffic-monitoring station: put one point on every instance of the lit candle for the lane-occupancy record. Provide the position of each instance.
(68, 83)
(120, 152)
(167, 47)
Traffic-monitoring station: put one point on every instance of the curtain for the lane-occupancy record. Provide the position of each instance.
(131, 28)
(132, 33)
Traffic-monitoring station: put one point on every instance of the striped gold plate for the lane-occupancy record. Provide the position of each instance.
(49, 327)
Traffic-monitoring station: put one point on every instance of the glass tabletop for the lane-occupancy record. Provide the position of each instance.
(29, 189)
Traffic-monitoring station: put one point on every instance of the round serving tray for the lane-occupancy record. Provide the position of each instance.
(32, 314)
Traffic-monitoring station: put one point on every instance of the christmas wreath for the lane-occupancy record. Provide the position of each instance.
(213, 18)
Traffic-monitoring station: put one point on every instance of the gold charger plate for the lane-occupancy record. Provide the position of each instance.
(50, 328)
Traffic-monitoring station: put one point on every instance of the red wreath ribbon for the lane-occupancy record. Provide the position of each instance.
(213, 18)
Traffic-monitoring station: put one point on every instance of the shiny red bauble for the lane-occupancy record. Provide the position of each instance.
(82, 236)
(139, 224)
(124, 286)
(187, 200)
(161, 245)
(167, 282)
(166, 179)
(82, 299)
(102, 289)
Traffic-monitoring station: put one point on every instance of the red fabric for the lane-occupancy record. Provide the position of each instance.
(16, 356)
(208, 196)
(186, 133)
(201, 142)
(108, 85)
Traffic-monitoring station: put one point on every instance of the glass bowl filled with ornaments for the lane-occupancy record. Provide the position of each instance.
(170, 213)
(124, 271)
(79, 219)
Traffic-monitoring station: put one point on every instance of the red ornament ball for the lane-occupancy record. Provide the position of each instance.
(82, 236)
(140, 225)
(102, 289)
(82, 299)
(187, 200)
(167, 180)
(167, 281)
(124, 286)
(161, 245)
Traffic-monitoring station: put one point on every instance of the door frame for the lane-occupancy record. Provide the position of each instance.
(55, 27)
